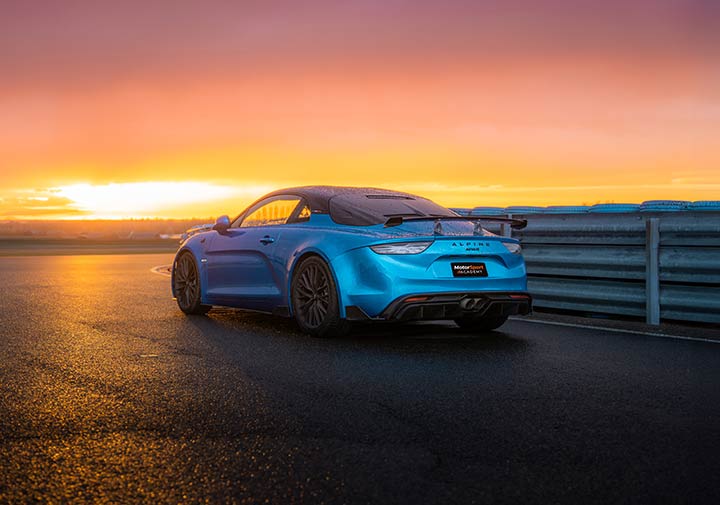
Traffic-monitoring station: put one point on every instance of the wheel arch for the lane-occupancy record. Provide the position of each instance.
(199, 264)
(291, 273)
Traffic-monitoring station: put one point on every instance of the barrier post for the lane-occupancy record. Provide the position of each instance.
(652, 271)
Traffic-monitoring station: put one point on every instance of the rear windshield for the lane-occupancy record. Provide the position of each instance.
(369, 209)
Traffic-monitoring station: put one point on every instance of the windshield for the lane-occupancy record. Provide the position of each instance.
(370, 209)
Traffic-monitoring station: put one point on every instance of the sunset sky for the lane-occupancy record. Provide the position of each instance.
(182, 109)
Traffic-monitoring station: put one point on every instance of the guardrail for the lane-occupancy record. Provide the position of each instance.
(648, 263)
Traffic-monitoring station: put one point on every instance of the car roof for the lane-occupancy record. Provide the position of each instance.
(318, 197)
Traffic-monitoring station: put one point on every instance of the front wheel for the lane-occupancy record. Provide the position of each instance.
(315, 301)
(186, 280)
(481, 324)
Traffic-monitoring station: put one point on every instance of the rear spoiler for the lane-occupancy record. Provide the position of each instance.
(516, 224)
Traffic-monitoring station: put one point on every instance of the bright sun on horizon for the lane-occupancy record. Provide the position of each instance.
(152, 199)
(186, 199)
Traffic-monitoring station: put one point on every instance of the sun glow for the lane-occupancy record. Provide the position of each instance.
(155, 199)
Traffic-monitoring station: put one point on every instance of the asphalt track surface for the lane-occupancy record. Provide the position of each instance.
(108, 393)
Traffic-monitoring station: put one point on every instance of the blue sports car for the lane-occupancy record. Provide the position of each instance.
(328, 256)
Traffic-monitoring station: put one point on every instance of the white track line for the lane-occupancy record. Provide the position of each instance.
(162, 270)
(616, 330)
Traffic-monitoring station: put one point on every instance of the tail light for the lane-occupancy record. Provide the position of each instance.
(401, 247)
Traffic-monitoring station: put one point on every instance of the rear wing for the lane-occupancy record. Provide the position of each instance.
(516, 224)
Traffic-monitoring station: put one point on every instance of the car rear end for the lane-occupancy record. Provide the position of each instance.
(426, 276)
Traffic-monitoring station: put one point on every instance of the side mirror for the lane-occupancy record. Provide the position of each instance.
(221, 224)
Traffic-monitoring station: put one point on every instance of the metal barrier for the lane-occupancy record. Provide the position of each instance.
(657, 265)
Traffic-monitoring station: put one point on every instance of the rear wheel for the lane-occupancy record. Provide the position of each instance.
(315, 301)
(186, 280)
(480, 324)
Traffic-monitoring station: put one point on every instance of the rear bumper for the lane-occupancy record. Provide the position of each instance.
(438, 306)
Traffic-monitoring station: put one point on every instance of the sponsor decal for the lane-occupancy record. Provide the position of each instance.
(469, 270)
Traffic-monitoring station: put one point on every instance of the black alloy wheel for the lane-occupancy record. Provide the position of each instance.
(187, 285)
(315, 301)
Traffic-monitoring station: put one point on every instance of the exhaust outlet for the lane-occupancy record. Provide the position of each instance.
(470, 303)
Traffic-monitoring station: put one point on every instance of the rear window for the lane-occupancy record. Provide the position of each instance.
(369, 209)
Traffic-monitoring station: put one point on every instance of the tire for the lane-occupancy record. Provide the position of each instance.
(314, 299)
(481, 324)
(186, 280)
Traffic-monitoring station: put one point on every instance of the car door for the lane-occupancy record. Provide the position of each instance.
(241, 261)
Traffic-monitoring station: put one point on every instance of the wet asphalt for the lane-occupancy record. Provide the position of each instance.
(109, 394)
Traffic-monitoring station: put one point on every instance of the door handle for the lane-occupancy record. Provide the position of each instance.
(267, 239)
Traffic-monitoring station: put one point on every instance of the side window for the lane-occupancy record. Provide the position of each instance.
(273, 211)
(303, 214)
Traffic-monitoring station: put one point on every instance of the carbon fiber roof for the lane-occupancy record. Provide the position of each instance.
(318, 197)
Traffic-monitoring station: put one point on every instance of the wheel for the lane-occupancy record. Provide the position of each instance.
(479, 324)
(186, 280)
(315, 301)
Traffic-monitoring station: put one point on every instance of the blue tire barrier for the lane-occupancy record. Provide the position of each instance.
(663, 205)
(705, 205)
(488, 211)
(607, 208)
(522, 209)
(566, 209)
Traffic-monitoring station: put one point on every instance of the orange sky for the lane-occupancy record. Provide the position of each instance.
(196, 108)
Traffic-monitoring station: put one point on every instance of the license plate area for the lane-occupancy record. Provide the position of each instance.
(469, 270)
